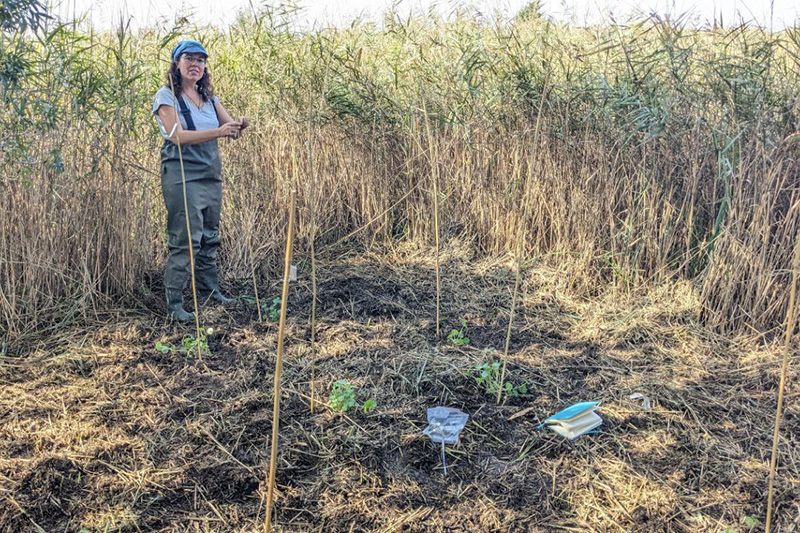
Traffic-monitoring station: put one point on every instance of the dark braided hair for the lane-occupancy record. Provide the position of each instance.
(204, 86)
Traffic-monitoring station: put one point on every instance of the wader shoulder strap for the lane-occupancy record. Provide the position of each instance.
(187, 114)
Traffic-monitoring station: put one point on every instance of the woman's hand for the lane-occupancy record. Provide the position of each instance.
(230, 129)
(244, 122)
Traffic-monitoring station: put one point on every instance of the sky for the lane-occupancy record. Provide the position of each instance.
(776, 14)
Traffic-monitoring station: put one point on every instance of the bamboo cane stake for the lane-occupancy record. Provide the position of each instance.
(253, 272)
(790, 320)
(276, 409)
(508, 330)
(188, 227)
(519, 244)
(313, 314)
(435, 180)
(312, 238)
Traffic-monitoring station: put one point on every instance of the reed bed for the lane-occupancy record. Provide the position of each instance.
(665, 152)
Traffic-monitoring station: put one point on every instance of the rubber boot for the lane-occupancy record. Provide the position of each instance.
(175, 308)
(207, 284)
(216, 296)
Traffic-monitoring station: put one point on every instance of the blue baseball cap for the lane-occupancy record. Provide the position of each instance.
(188, 47)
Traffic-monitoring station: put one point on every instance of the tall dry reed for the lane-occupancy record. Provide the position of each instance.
(661, 154)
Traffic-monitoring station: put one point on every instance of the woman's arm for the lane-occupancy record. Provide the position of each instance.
(185, 137)
(222, 113)
(225, 118)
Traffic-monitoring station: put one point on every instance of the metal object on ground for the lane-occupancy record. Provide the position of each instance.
(642, 398)
(444, 427)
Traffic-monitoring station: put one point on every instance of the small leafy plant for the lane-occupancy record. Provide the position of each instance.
(164, 347)
(368, 406)
(514, 391)
(189, 345)
(487, 376)
(749, 522)
(459, 336)
(273, 310)
(342, 398)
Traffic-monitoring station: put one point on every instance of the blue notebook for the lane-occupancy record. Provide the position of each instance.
(575, 420)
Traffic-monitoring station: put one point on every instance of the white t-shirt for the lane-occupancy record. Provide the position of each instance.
(205, 118)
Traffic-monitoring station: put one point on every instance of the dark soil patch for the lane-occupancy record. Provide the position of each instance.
(133, 439)
(49, 491)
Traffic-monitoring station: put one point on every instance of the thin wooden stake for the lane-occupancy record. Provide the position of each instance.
(188, 225)
(435, 180)
(312, 238)
(313, 320)
(517, 279)
(790, 320)
(253, 271)
(276, 405)
(508, 331)
(519, 244)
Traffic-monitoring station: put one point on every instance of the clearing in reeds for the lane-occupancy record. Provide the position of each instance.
(639, 185)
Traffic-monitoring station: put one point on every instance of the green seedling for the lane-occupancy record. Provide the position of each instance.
(369, 405)
(188, 345)
(749, 522)
(459, 336)
(487, 376)
(342, 396)
(164, 347)
(273, 310)
(515, 391)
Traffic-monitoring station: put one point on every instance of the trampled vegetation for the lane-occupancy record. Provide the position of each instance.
(642, 179)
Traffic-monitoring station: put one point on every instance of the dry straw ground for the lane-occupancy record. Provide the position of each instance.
(102, 432)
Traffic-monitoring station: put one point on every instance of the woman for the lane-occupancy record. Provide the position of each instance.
(191, 119)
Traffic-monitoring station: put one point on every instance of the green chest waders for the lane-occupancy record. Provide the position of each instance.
(203, 176)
